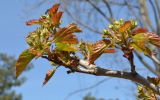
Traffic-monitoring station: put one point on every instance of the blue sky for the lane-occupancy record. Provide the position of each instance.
(12, 41)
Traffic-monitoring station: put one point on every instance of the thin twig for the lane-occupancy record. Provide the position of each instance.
(150, 68)
(87, 88)
(109, 8)
(81, 23)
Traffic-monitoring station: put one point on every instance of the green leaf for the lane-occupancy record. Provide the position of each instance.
(66, 47)
(143, 49)
(49, 74)
(23, 61)
(140, 43)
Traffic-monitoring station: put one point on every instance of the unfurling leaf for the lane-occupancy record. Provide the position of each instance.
(31, 22)
(56, 18)
(53, 9)
(125, 26)
(140, 43)
(139, 30)
(97, 49)
(40, 21)
(154, 39)
(49, 74)
(23, 61)
(65, 35)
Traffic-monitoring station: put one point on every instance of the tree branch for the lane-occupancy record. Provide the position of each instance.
(95, 70)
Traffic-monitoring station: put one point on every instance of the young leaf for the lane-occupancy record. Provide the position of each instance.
(140, 43)
(31, 22)
(139, 30)
(66, 47)
(23, 61)
(36, 21)
(140, 48)
(97, 49)
(49, 74)
(56, 18)
(154, 39)
(125, 26)
(53, 9)
(65, 35)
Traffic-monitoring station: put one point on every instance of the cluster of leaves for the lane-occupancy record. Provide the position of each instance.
(50, 40)
(128, 36)
(145, 93)
(59, 45)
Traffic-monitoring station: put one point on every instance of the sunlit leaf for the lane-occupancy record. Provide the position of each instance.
(139, 30)
(49, 74)
(140, 43)
(23, 61)
(125, 26)
(154, 39)
(65, 35)
(53, 9)
(97, 49)
(56, 18)
(40, 21)
(66, 47)
(142, 48)
(31, 22)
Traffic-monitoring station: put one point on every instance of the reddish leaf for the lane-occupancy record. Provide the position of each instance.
(31, 22)
(56, 18)
(49, 74)
(125, 26)
(139, 30)
(35, 21)
(154, 39)
(109, 51)
(53, 9)
(23, 61)
(97, 49)
(65, 35)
